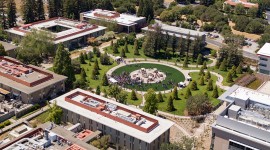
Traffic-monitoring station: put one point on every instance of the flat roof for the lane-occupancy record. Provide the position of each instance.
(72, 29)
(8, 46)
(265, 50)
(122, 19)
(245, 3)
(176, 30)
(26, 78)
(162, 126)
(235, 108)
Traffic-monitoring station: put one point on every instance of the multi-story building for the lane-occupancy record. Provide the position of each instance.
(264, 59)
(71, 33)
(9, 48)
(245, 123)
(245, 3)
(177, 31)
(129, 128)
(28, 83)
(125, 22)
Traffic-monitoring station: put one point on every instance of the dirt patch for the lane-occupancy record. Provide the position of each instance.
(246, 35)
(168, 1)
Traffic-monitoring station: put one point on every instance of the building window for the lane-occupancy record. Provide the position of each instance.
(264, 65)
(264, 59)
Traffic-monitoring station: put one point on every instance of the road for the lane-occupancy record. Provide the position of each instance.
(245, 53)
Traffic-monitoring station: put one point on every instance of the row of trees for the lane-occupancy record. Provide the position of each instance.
(8, 13)
(156, 44)
(32, 10)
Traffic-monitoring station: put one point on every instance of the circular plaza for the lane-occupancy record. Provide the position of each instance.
(144, 75)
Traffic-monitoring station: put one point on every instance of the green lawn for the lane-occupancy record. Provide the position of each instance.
(131, 55)
(224, 74)
(180, 104)
(173, 76)
(40, 119)
(134, 102)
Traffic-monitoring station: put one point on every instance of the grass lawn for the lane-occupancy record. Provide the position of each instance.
(134, 102)
(180, 104)
(173, 76)
(255, 84)
(131, 55)
(224, 74)
(40, 119)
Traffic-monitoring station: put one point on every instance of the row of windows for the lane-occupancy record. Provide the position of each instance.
(264, 59)
(264, 65)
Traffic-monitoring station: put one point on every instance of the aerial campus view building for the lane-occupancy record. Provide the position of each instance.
(28, 83)
(177, 31)
(247, 4)
(245, 122)
(69, 32)
(125, 22)
(264, 59)
(128, 127)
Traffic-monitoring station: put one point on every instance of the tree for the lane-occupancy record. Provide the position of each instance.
(82, 60)
(201, 71)
(55, 113)
(136, 48)
(62, 65)
(102, 143)
(28, 11)
(252, 12)
(215, 92)
(204, 65)
(174, 44)
(223, 66)
(105, 59)
(208, 75)
(198, 105)
(160, 97)
(239, 69)
(229, 77)
(175, 93)
(133, 95)
(2, 50)
(55, 8)
(188, 93)
(146, 9)
(126, 47)
(200, 59)
(105, 80)
(122, 97)
(233, 71)
(11, 13)
(96, 65)
(83, 75)
(209, 86)
(170, 106)
(217, 65)
(239, 9)
(35, 46)
(151, 103)
(201, 80)
(123, 53)
(40, 10)
(117, 93)
(98, 90)
(193, 86)
(115, 49)
(185, 64)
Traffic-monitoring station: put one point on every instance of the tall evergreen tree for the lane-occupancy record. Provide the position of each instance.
(151, 103)
(11, 13)
(175, 93)
(136, 47)
(209, 86)
(201, 80)
(229, 77)
(126, 47)
(170, 106)
(160, 97)
(201, 71)
(239, 69)
(4, 23)
(62, 65)
(55, 8)
(28, 11)
(215, 92)
(82, 60)
(200, 59)
(123, 53)
(83, 75)
(188, 93)
(98, 90)
(185, 64)
(105, 81)
(193, 86)
(133, 95)
(174, 44)
(2, 50)
(40, 10)
(208, 75)
(140, 9)
(223, 66)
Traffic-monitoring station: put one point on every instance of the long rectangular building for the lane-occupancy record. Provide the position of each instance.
(69, 32)
(126, 22)
(28, 83)
(128, 127)
(245, 123)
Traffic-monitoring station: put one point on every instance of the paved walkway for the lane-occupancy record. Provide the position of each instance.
(22, 120)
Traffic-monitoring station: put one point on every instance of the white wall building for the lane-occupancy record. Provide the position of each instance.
(129, 128)
(264, 59)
